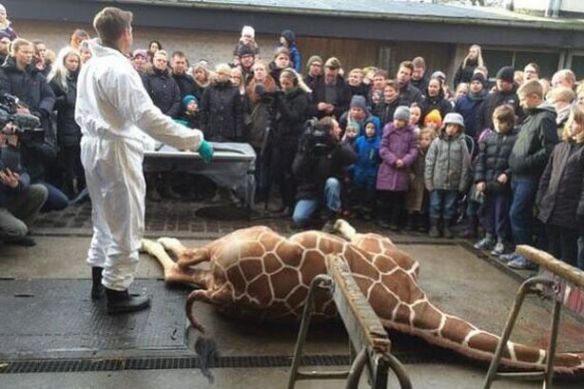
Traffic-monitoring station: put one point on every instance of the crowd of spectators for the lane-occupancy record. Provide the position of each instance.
(414, 150)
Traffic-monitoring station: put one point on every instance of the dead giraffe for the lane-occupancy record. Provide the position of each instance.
(257, 272)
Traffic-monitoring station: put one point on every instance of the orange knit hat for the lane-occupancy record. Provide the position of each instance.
(433, 117)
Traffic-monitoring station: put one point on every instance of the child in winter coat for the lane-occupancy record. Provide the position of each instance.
(351, 133)
(190, 114)
(560, 198)
(398, 151)
(417, 197)
(365, 171)
(447, 173)
(415, 114)
(492, 179)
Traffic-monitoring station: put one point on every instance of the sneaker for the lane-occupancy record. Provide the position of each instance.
(498, 249)
(520, 263)
(487, 243)
(509, 257)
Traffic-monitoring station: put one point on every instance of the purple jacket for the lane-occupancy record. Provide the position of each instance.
(396, 144)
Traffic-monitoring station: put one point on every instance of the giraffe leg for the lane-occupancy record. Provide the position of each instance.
(185, 257)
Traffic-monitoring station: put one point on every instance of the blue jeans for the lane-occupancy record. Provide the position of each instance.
(521, 212)
(305, 208)
(443, 203)
(56, 201)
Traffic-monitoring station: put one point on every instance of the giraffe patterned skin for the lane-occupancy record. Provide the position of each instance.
(259, 273)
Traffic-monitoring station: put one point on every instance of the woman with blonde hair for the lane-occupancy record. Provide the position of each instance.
(202, 77)
(473, 59)
(561, 193)
(292, 105)
(63, 81)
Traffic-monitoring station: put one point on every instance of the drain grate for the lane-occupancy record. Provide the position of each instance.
(164, 363)
(193, 362)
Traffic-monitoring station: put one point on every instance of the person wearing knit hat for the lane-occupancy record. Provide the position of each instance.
(359, 101)
(478, 77)
(402, 113)
(398, 151)
(190, 114)
(313, 70)
(506, 74)
(505, 92)
(333, 63)
(433, 120)
(454, 118)
(247, 39)
(447, 173)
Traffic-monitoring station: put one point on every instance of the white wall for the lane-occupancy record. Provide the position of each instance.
(214, 46)
(541, 5)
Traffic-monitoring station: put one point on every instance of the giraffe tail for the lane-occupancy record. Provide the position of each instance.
(426, 321)
(194, 296)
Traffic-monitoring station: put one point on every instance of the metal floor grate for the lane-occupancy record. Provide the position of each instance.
(163, 363)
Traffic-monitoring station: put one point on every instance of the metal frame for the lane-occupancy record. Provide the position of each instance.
(565, 273)
(366, 334)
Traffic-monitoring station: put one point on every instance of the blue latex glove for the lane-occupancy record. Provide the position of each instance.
(206, 151)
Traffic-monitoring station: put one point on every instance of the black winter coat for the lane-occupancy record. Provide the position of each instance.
(421, 84)
(68, 131)
(30, 87)
(492, 101)
(410, 94)
(493, 160)
(535, 142)
(292, 111)
(312, 172)
(561, 190)
(222, 113)
(186, 84)
(343, 96)
(464, 74)
(163, 91)
(469, 107)
(386, 110)
(436, 102)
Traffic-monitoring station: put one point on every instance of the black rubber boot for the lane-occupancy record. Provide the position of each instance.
(122, 302)
(434, 231)
(97, 289)
(446, 230)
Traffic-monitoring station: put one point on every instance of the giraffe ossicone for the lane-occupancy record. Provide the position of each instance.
(257, 272)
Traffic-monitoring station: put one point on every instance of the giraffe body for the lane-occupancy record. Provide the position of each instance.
(257, 272)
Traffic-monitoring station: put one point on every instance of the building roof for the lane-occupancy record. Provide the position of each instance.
(376, 9)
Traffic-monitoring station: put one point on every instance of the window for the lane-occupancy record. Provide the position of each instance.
(548, 61)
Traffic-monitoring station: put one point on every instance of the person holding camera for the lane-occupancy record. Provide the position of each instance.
(291, 107)
(318, 167)
(20, 202)
(19, 77)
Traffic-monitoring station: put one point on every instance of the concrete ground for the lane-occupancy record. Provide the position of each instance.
(456, 279)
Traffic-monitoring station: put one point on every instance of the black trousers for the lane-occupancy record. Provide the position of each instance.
(392, 203)
(281, 171)
(72, 170)
(563, 243)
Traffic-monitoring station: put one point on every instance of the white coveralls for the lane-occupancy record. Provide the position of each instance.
(112, 108)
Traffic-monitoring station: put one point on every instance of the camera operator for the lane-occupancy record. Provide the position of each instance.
(319, 167)
(20, 202)
(19, 77)
(291, 109)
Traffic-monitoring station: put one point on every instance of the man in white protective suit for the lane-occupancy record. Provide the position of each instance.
(113, 109)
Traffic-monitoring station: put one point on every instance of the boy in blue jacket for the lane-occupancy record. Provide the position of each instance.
(365, 170)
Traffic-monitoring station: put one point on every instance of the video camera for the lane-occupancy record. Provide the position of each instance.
(315, 141)
(26, 126)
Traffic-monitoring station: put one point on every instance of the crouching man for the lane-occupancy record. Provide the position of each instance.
(113, 109)
(20, 202)
(319, 167)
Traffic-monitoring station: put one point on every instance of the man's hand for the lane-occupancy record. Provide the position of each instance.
(10, 179)
(502, 179)
(481, 186)
(23, 111)
(206, 151)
